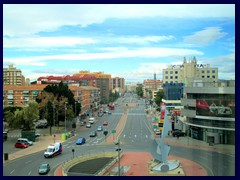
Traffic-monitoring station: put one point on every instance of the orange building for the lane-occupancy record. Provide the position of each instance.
(21, 95)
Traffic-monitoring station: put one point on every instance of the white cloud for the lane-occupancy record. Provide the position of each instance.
(206, 36)
(143, 40)
(33, 18)
(140, 53)
(33, 42)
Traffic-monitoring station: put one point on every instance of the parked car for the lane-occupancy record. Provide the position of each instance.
(80, 141)
(42, 125)
(5, 136)
(25, 140)
(100, 128)
(88, 125)
(105, 123)
(44, 168)
(93, 134)
(21, 145)
(37, 134)
(82, 123)
(177, 133)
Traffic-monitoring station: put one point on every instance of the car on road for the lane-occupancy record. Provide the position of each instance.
(80, 141)
(93, 134)
(88, 125)
(21, 145)
(44, 168)
(177, 133)
(158, 132)
(105, 123)
(100, 128)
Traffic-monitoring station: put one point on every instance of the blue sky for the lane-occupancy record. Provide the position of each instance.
(129, 41)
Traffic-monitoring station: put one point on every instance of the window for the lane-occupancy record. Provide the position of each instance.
(166, 77)
(208, 71)
(171, 72)
(213, 76)
(213, 71)
(171, 77)
(176, 72)
(166, 72)
(203, 71)
(208, 76)
(203, 76)
(176, 77)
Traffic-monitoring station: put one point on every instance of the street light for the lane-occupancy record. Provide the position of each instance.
(65, 117)
(75, 109)
(119, 151)
(73, 152)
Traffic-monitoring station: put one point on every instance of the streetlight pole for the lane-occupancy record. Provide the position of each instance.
(118, 150)
(75, 109)
(65, 117)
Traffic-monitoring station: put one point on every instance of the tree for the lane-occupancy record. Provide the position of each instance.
(9, 118)
(52, 103)
(30, 114)
(159, 97)
(139, 90)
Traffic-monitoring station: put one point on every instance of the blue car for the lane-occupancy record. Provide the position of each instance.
(80, 141)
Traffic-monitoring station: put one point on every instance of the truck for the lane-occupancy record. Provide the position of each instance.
(53, 150)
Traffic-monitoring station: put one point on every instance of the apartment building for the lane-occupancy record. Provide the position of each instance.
(151, 87)
(88, 96)
(186, 72)
(13, 76)
(103, 83)
(118, 85)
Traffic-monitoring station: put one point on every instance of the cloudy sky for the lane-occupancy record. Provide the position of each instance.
(129, 41)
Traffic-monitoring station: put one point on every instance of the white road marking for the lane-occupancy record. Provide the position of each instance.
(146, 136)
(135, 135)
(124, 136)
(28, 161)
(29, 173)
(12, 171)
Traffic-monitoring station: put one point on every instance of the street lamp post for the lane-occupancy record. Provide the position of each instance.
(65, 117)
(119, 151)
(75, 109)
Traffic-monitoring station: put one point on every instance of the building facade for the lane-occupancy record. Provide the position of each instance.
(118, 85)
(151, 87)
(209, 111)
(20, 96)
(173, 91)
(103, 82)
(13, 76)
(189, 70)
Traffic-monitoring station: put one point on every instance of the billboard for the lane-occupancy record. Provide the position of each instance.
(215, 107)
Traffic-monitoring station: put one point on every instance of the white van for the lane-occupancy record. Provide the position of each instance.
(91, 120)
(25, 140)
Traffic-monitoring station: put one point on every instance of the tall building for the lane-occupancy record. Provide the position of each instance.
(103, 83)
(173, 91)
(13, 76)
(209, 111)
(189, 70)
(118, 85)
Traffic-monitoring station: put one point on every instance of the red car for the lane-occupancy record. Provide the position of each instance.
(105, 123)
(21, 145)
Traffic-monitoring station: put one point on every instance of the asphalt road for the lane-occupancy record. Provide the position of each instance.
(136, 136)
